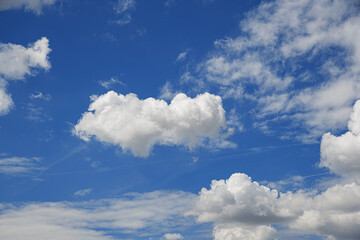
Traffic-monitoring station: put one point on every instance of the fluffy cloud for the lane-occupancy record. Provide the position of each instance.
(269, 62)
(35, 6)
(19, 165)
(17, 62)
(137, 125)
(136, 215)
(242, 208)
(342, 154)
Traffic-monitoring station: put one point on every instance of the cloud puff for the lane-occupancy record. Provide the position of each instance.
(137, 125)
(135, 215)
(111, 82)
(172, 236)
(268, 64)
(182, 56)
(15, 166)
(342, 154)
(35, 6)
(17, 62)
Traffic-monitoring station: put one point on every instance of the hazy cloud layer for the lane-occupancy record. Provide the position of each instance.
(137, 125)
(268, 64)
(35, 6)
(137, 215)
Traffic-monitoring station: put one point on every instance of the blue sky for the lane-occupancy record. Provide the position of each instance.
(196, 119)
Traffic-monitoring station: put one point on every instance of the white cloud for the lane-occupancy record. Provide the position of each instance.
(342, 154)
(243, 208)
(172, 236)
(135, 215)
(17, 62)
(19, 166)
(251, 233)
(111, 82)
(6, 102)
(40, 95)
(35, 6)
(182, 55)
(83, 192)
(268, 64)
(123, 8)
(137, 125)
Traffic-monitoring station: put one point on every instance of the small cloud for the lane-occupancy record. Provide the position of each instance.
(113, 81)
(182, 56)
(19, 165)
(195, 159)
(172, 236)
(40, 95)
(83, 192)
(122, 8)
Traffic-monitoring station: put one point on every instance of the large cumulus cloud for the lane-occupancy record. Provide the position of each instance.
(242, 208)
(137, 125)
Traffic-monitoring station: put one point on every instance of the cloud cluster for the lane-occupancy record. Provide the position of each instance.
(17, 62)
(137, 125)
(35, 6)
(136, 215)
(243, 208)
(268, 64)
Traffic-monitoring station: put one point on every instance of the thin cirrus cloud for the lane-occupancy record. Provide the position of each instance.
(241, 208)
(19, 166)
(17, 62)
(136, 215)
(137, 125)
(35, 6)
(268, 65)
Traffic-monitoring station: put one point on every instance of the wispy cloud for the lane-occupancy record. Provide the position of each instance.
(19, 166)
(268, 63)
(40, 95)
(83, 192)
(135, 216)
(122, 9)
(111, 82)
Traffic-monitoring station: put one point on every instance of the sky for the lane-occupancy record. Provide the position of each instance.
(169, 119)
